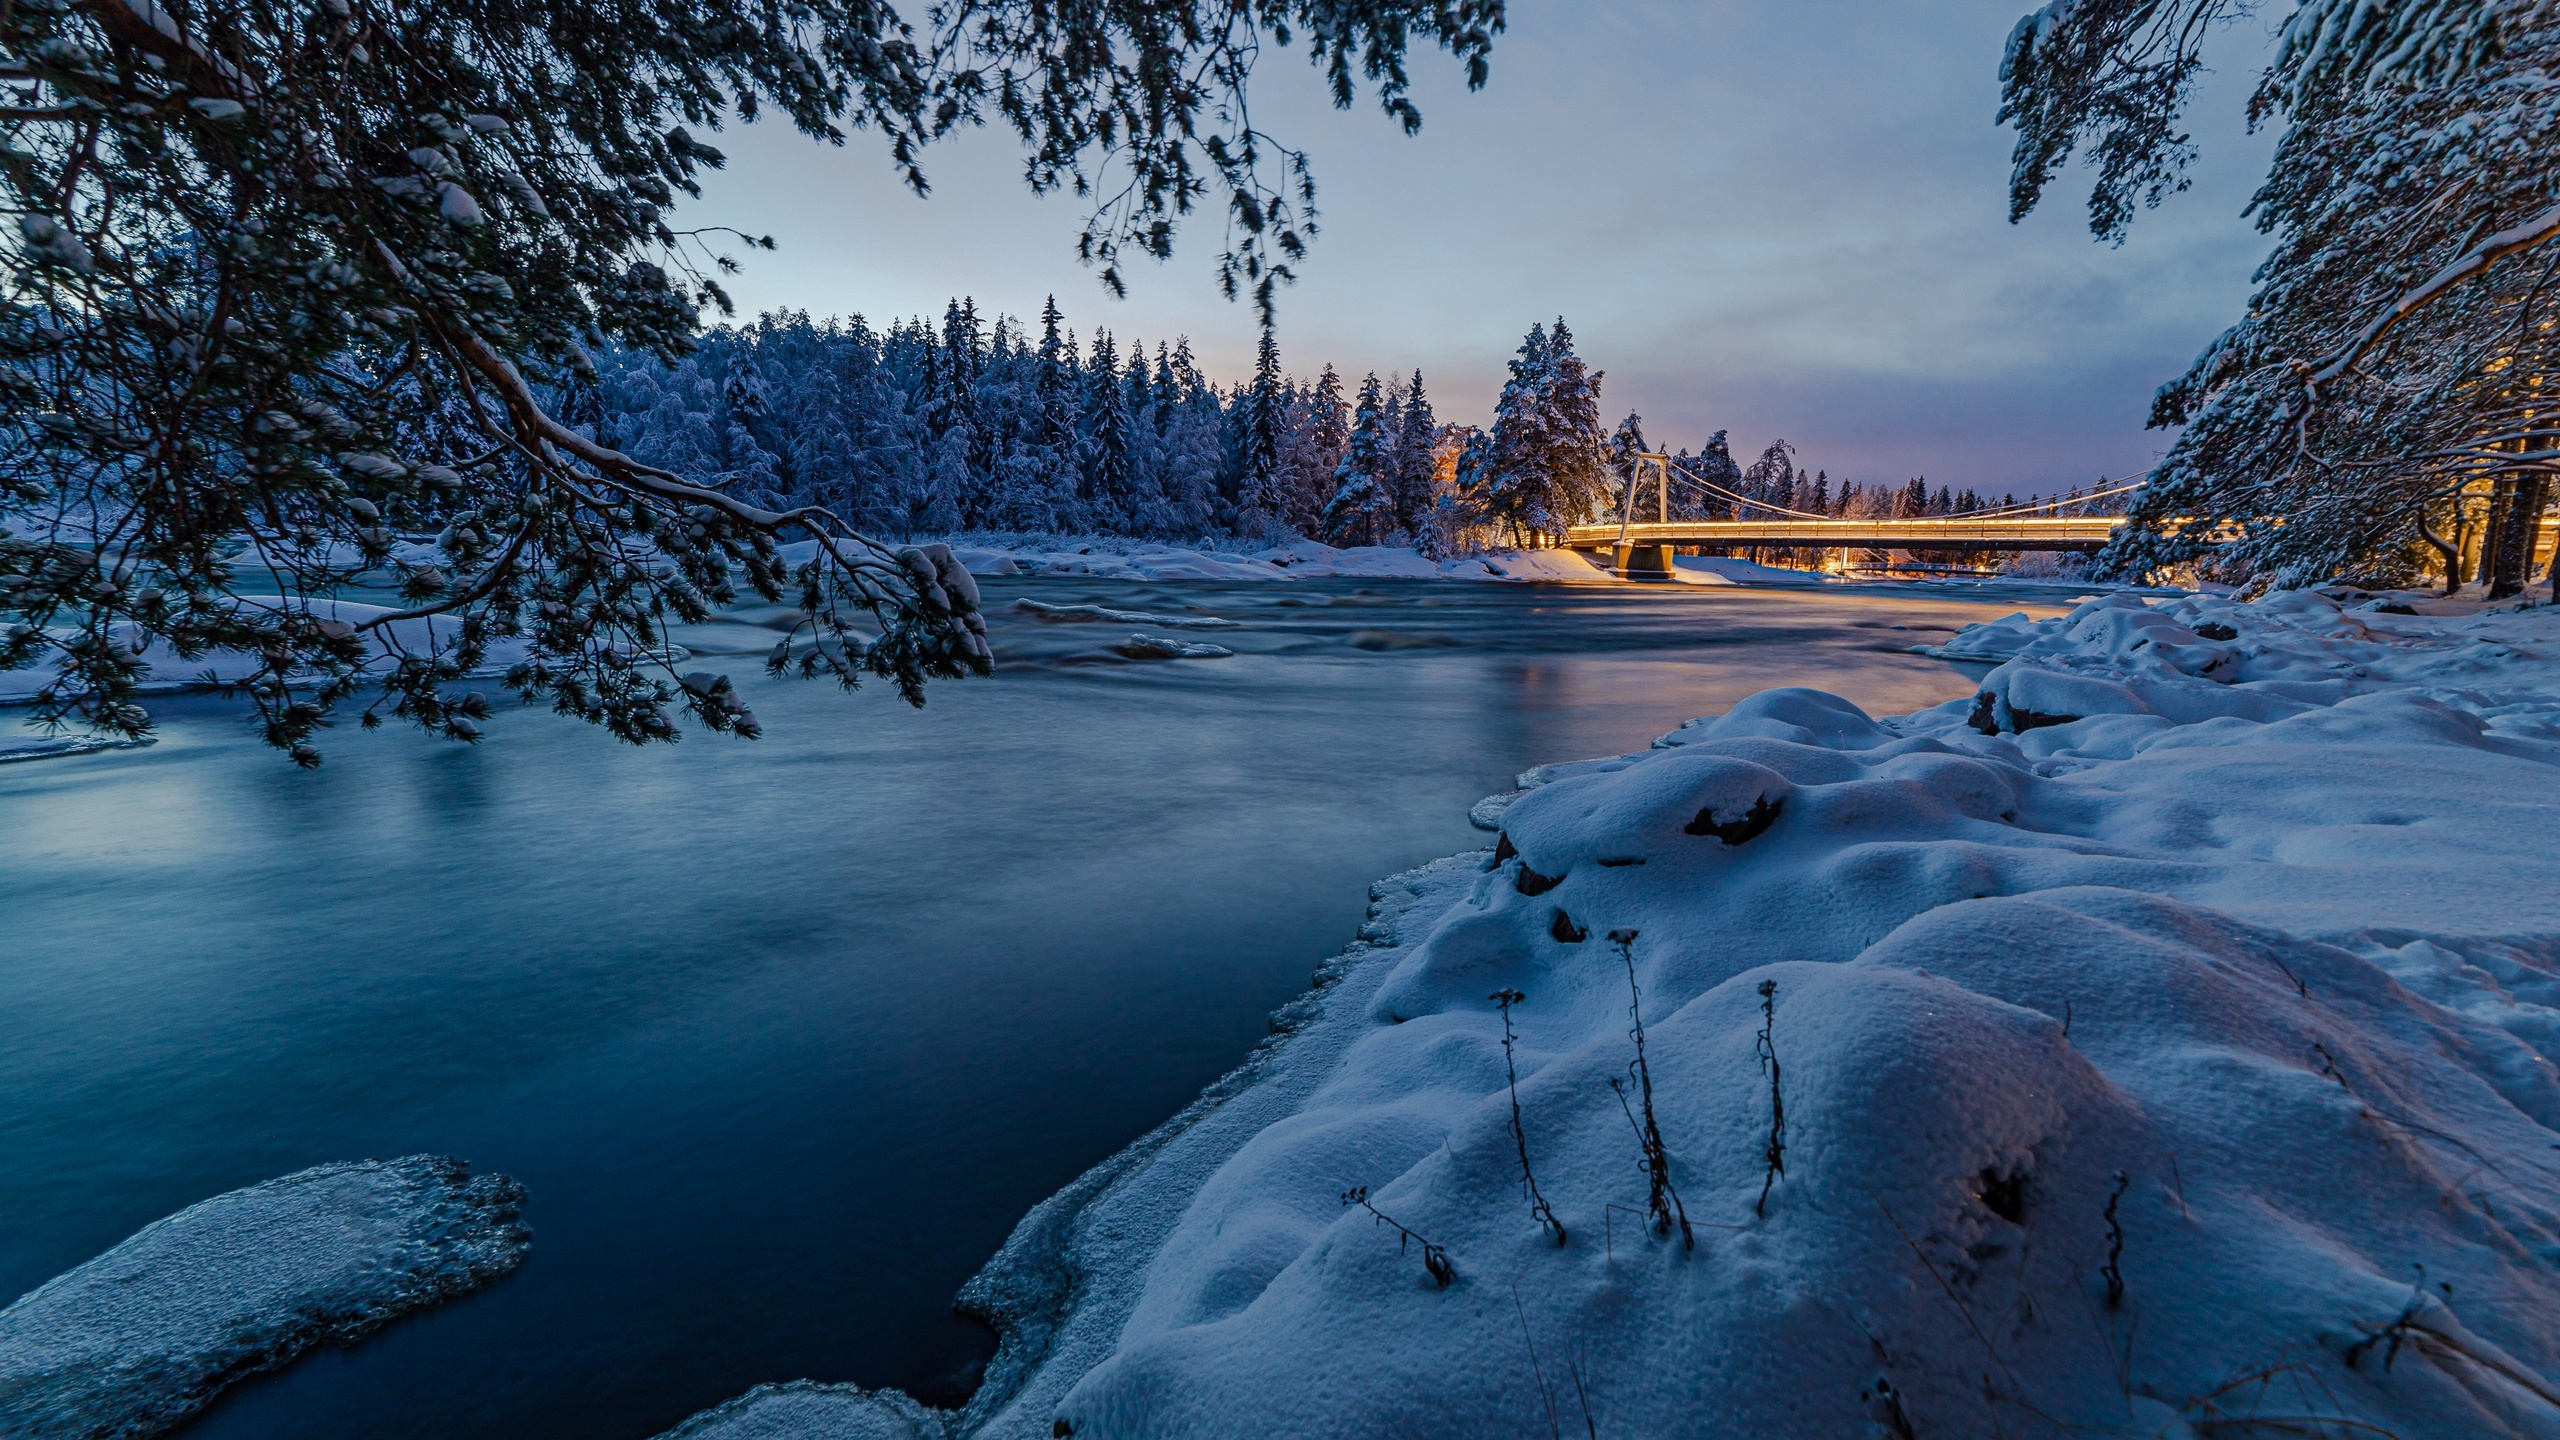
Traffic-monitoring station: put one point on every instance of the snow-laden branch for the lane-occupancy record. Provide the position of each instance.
(2468, 267)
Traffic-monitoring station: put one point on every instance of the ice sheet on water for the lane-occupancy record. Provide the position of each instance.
(145, 1335)
(805, 1410)
(1085, 614)
(49, 747)
(1159, 647)
(170, 674)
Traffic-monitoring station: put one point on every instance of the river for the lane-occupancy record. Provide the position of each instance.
(784, 1036)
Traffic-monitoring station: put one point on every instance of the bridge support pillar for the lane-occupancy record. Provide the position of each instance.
(1642, 562)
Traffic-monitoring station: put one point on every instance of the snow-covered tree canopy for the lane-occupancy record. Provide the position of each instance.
(2395, 357)
(289, 282)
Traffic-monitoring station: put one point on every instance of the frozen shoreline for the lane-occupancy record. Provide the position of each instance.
(2151, 1023)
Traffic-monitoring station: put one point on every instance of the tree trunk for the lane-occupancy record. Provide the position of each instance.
(2518, 525)
(2491, 532)
(2451, 550)
(2461, 542)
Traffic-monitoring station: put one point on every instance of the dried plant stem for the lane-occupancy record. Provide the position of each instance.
(1776, 1157)
(1662, 1201)
(1539, 1209)
(1434, 1259)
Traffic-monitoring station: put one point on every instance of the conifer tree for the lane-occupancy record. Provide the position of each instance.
(1263, 423)
(1626, 447)
(2387, 376)
(1414, 462)
(1169, 387)
(243, 230)
(1771, 480)
(1362, 509)
(1311, 452)
(1545, 469)
(1110, 468)
(1714, 466)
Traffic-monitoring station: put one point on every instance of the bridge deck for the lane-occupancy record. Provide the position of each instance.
(1951, 533)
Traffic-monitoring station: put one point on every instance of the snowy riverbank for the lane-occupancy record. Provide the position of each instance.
(1118, 558)
(2164, 1039)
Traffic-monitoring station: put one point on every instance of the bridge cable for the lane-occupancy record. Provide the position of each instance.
(2030, 508)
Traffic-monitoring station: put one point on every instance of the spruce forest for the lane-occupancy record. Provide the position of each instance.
(972, 425)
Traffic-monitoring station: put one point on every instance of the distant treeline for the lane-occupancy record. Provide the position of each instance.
(971, 424)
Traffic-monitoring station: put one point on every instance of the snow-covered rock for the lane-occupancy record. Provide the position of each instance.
(145, 1335)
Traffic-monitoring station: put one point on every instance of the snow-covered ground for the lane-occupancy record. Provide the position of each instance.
(2163, 1040)
(142, 1337)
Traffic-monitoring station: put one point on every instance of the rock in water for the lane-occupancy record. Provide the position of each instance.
(139, 1339)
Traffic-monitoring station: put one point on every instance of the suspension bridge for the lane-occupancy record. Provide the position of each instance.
(1643, 548)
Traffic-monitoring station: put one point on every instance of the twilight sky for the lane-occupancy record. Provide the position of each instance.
(1776, 219)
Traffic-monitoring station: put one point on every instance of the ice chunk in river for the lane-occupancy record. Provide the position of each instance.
(137, 1340)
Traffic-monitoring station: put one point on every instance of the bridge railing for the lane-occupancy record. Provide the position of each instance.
(1950, 533)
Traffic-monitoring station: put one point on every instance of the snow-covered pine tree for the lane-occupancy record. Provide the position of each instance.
(1578, 465)
(1715, 466)
(240, 227)
(1413, 462)
(2380, 395)
(1771, 480)
(1363, 508)
(1546, 469)
(1110, 463)
(1626, 446)
(1311, 452)
(1262, 424)
(1506, 476)
(750, 470)
(1046, 469)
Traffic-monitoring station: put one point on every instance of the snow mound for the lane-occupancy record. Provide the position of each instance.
(2183, 1067)
(135, 1341)
(1158, 647)
(1075, 614)
(805, 1410)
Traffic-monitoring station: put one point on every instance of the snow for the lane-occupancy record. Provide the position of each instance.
(1158, 647)
(1079, 614)
(1723, 570)
(802, 1410)
(1110, 558)
(47, 747)
(2176, 1062)
(170, 674)
(145, 1335)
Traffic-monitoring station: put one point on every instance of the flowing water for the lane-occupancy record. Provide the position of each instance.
(784, 1036)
